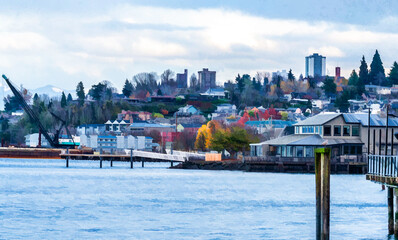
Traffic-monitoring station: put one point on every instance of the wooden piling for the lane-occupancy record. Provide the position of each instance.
(142, 161)
(390, 201)
(318, 197)
(101, 158)
(111, 162)
(131, 158)
(67, 158)
(171, 163)
(396, 212)
(322, 178)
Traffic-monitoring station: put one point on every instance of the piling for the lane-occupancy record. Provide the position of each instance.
(111, 162)
(67, 158)
(322, 178)
(142, 162)
(396, 212)
(101, 158)
(131, 158)
(390, 201)
(171, 163)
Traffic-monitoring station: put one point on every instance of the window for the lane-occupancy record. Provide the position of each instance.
(346, 150)
(337, 130)
(359, 149)
(299, 151)
(327, 130)
(283, 152)
(353, 148)
(309, 151)
(346, 130)
(296, 130)
(289, 151)
(355, 130)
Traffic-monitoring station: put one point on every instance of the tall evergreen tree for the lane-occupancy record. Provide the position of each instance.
(63, 100)
(128, 88)
(290, 76)
(354, 79)
(240, 82)
(80, 92)
(363, 72)
(69, 98)
(377, 74)
(393, 76)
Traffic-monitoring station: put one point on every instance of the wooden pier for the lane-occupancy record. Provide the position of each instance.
(134, 156)
(383, 169)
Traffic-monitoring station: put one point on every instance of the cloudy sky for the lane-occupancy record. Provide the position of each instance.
(64, 42)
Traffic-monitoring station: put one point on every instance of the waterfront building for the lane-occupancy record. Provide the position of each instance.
(207, 79)
(90, 129)
(32, 140)
(182, 79)
(108, 143)
(315, 65)
(117, 126)
(346, 134)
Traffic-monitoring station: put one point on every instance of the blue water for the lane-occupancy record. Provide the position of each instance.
(41, 199)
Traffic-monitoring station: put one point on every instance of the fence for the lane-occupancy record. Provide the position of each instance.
(382, 165)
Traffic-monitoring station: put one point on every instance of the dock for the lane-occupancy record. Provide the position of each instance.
(134, 156)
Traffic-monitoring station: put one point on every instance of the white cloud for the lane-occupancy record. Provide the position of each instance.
(129, 39)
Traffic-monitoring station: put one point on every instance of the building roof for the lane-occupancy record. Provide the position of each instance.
(308, 140)
(149, 125)
(275, 123)
(295, 139)
(319, 119)
(375, 120)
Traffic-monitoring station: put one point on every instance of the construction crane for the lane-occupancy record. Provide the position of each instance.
(54, 142)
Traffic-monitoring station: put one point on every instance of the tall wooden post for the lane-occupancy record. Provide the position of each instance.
(322, 178)
(131, 158)
(101, 158)
(392, 141)
(390, 200)
(67, 157)
(318, 196)
(142, 161)
(396, 212)
(374, 142)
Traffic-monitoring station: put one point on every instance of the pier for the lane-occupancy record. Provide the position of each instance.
(133, 156)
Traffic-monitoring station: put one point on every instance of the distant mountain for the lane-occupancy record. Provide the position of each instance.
(52, 91)
(49, 90)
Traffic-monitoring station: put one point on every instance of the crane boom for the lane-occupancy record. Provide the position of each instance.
(31, 113)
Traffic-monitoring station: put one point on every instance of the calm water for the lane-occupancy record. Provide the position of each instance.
(41, 199)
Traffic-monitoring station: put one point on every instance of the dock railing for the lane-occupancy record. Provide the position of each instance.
(383, 165)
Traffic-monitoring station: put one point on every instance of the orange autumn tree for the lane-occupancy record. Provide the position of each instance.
(204, 136)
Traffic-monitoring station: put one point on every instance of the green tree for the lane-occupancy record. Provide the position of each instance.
(394, 74)
(80, 92)
(240, 83)
(329, 86)
(97, 91)
(354, 79)
(290, 76)
(219, 140)
(127, 88)
(63, 100)
(377, 75)
(69, 98)
(363, 72)
(342, 101)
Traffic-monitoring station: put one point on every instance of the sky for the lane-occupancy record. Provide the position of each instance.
(63, 42)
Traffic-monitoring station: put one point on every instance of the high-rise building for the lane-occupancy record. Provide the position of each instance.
(182, 79)
(315, 65)
(207, 79)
